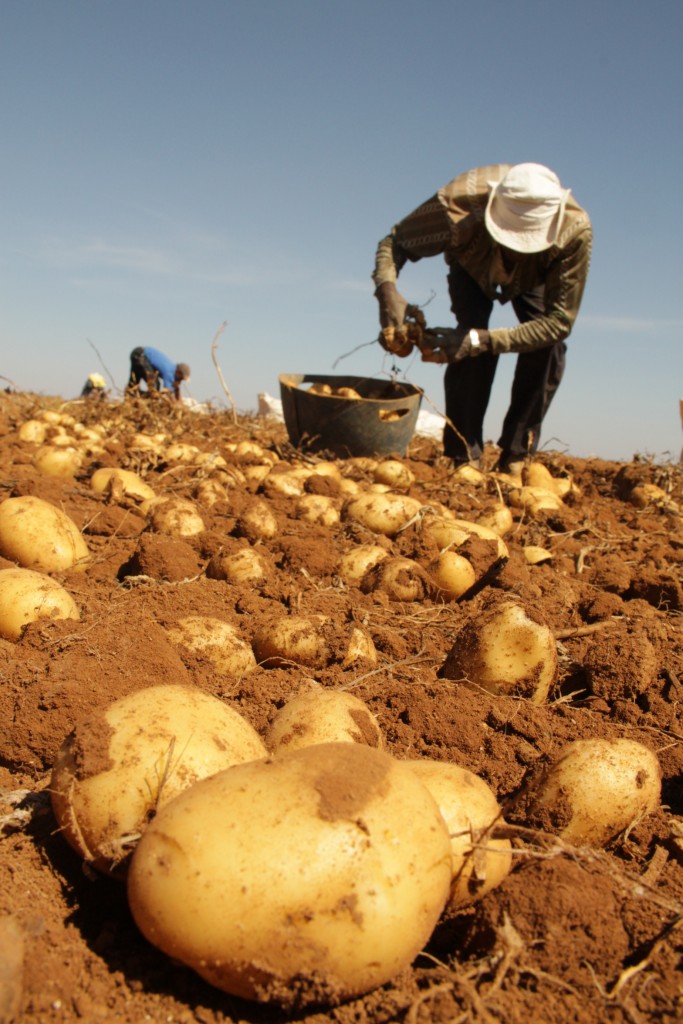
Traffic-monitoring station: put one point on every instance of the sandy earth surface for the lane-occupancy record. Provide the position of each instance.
(573, 934)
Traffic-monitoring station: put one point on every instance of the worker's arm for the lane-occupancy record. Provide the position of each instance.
(564, 286)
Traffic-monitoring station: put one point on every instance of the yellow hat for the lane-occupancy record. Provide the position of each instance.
(97, 380)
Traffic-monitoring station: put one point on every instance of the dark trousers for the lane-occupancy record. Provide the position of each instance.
(141, 369)
(468, 383)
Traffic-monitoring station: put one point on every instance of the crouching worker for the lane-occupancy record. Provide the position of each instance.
(94, 387)
(158, 372)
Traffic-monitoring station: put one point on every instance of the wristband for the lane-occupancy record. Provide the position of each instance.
(474, 339)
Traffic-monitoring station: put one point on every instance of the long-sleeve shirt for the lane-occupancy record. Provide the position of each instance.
(164, 366)
(452, 224)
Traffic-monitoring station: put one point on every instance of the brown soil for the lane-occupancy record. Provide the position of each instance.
(572, 935)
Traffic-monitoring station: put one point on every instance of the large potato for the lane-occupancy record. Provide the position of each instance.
(27, 596)
(40, 536)
(322, 716)
(58, 461)
(309, 878)
(505, 651)
(386, 514)
(598, 787)
(218, 641)
(120, 765)
(470, 809)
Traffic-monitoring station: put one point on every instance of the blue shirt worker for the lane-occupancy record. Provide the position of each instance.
(157, 371)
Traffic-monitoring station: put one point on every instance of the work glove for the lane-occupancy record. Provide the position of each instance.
(403, 325)
(451, 345)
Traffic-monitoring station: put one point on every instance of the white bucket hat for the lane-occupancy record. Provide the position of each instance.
(525, 208)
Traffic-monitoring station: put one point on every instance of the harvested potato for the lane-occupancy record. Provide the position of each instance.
(401, 579)
(180, 452)
(177, 517)
(387, 514)
(453, 575)
(218, 641)
(52, 460)
(293, 638)
(247, 565)
(40, 536)
(210, 493)
(121, 764)
(317, 508)
(28, 596)
(121, 482)
(448, 532)
(305, 879)
(354, 564)
(257, 522)
(470, 809)
(599, 787)
(322, 715)
(395, 474)
(498, 518)
(535, 499)
(32, 432)
(505, 651)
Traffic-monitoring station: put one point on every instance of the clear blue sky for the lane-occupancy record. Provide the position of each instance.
(168, 166)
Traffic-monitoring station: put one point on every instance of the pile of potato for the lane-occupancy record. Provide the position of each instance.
(307, 865)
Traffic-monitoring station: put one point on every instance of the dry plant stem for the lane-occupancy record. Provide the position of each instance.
(214, 345)
(566, 634)
(104, 366)
(450, 424)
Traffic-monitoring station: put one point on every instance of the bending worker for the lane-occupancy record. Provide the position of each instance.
(507, 234)
(157, 371)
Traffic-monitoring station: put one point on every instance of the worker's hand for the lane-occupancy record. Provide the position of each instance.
(447, 345)
(392, 305)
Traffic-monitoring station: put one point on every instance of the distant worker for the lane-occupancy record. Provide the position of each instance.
(157, 371)
(94, 387)
(507, 234)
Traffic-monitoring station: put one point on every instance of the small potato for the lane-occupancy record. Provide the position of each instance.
(497, 518)
(32, 432)
(250, 453)
(535, 499)
(401, 579)
(180, 452)
(453, 575)
(317, 508)
(210, 493)
(322, 716)
(598, 788)
(305, 879)
(218, 641)
(244, 566)
(40, 536)
(448, 532)
(505, 651)
(177, 517)
(52, 460)
(293, 638)
(27, 596)
(470, 809)
(289, 485)
(386, 514)
(395, 474)
(535, 555)
(354, 564)
(257, 522)
(121, 482)
(469, 474)
(120, 765)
